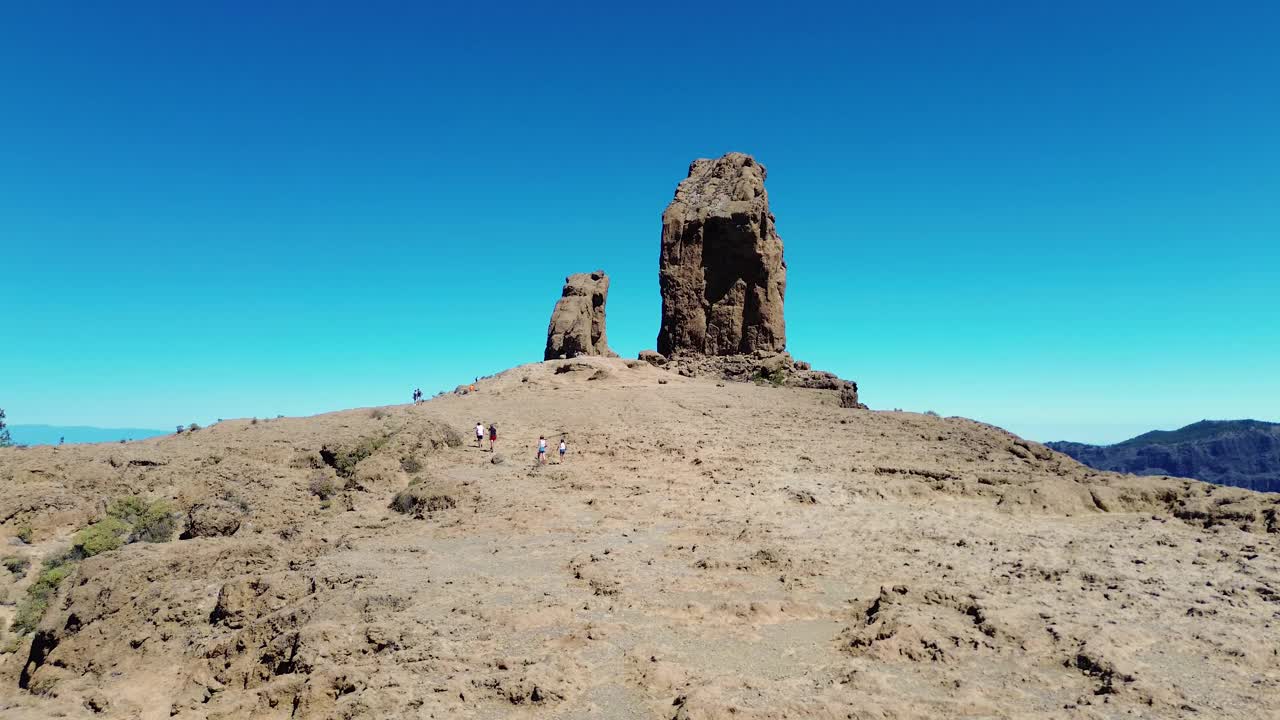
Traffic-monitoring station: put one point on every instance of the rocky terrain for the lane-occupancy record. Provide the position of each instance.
(1240, 453)
(732, 535)
(577, 324)
(720, 269)
(723, 281)
(709, 550)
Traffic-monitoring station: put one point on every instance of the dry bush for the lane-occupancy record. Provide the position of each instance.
(321, 485)
(343, 459)
(421, 498)
(16, 565)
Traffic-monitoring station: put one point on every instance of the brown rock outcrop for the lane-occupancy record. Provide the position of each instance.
(577, 322)
(766, 368)
(216, 518)
(721, 269)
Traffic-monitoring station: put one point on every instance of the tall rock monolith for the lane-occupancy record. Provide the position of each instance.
(577, 322)
(721, 270)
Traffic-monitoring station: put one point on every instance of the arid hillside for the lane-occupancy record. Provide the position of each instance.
(708, 550)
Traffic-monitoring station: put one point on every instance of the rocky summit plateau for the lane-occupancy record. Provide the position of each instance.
(708, 550)
(731, 534)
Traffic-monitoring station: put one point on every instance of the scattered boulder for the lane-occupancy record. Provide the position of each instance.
(572, 367)
(769, 368)
(578, 321)
(849, 396)
(655, 359)
(215, 518)
(244, 600)
(721, 269)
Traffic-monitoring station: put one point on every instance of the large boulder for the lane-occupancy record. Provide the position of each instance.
(721, 269)
(577, 322)
(214, 518)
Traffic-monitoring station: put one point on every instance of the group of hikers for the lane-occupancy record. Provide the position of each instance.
(492, 433)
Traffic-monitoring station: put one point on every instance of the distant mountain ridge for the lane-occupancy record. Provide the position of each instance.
(51, 434)
(1241, 453)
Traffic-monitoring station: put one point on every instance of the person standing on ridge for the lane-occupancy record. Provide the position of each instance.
(563, 448)
(479, 433)
(493, 436)
(542, 450)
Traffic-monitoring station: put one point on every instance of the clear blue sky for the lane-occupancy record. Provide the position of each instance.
(1062, 218)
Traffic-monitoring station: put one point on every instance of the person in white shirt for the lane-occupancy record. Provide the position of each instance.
(542, 450)
(563, 448)
(479, 434)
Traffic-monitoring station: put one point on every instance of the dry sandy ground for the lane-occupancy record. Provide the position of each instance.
(706, 552)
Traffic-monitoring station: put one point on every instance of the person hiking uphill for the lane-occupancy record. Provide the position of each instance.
(493, 436)
(542, 450)
(479, 433)
(563, 448)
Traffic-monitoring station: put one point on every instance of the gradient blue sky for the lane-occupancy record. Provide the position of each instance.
(1061, 218)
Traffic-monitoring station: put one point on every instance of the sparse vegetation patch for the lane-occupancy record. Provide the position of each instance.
(344, 459)
(421, 498)
(16, 565)
(103, 536)
(322, 485)
(777, 378)
(33, 606)
(128, 520)
(154, 521)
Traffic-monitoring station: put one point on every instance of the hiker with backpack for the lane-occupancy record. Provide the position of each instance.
(493, 436)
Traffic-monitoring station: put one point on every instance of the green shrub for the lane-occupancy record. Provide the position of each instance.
(127, 509)
(157, 524)
(103, 536)
(131, 519)
(25, 534)
(16, 565)
(193, 427)
(154, 521)
(34, 605)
